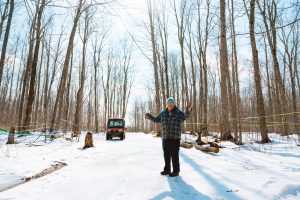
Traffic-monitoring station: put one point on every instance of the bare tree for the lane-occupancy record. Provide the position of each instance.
(40, 6)
(181, 14)
(154, 56)
(4, 14)
(98, 44)
(268, 10)
(79, 97)
(224, 69)
(6, 35)
(127, 78)
(63, 80)
(257, 78)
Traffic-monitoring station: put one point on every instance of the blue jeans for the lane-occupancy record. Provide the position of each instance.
(171, 152)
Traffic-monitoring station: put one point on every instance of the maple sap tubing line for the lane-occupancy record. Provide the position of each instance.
(69, 122)
(25, 134)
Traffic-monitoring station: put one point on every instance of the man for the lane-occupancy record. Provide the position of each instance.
(171, 120)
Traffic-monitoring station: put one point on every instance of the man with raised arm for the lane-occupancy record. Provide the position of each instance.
(171, 126)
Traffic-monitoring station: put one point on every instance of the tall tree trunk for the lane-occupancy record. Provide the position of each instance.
(96, 64)
(46, 82)
(27, 72)
(225, 125)
(154, 61)
(3, 17)
(60, 93)
(269, 13)
(235, 81)
(31, 95)
(38, 86)
(12, 78)
(79, 99)
(67, 107)
(6, 36)
(193, 79)
(257, 78)
(180, 16)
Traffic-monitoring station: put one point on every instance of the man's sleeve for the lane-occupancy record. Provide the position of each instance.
(186, 115)
(156, 119)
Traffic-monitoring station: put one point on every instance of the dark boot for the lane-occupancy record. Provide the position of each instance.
(165, 173)
(173, 174)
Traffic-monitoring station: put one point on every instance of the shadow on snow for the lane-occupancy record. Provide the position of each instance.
(180, 190)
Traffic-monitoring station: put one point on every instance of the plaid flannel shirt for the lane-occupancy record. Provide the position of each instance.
(171, 123)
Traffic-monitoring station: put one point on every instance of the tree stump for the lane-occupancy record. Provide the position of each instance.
(88, 142)
(11, 136)
(226, 136)
(76, 134)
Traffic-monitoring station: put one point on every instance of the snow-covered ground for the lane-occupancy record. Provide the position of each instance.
(130, 169)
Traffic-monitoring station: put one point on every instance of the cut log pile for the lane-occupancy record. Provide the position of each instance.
(204, 147)
(186, 145)
(207, 148)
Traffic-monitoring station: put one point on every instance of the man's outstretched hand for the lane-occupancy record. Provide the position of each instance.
(147, 116)
(189, 108)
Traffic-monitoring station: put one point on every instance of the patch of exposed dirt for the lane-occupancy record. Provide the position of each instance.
(54, 167)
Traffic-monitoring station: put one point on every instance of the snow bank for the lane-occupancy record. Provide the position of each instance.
(130, 169)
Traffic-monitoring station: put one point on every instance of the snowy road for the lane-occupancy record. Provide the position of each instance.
(130, 169)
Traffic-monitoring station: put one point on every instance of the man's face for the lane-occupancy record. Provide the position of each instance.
(170, 106)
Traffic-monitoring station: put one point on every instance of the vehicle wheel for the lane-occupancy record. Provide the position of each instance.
(107, 137)
(122, 137)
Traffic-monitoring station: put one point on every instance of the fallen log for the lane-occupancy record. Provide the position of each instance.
(186, 145)
(214, 144)
(207, 148)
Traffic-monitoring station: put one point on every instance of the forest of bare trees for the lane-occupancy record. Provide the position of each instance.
(236, 62)
(61, 76)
